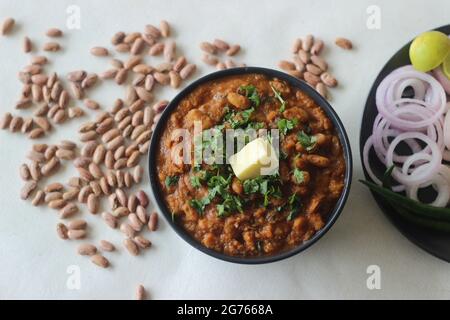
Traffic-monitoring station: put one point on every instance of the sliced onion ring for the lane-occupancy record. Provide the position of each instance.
(367, 146)
(440, 184)
(422, 123)
(387, 99)
(447, 130)
(422, 176)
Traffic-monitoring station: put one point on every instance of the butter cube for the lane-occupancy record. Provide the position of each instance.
(257, 158)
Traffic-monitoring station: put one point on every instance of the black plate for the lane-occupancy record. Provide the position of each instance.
(435, 242)
(156, 193)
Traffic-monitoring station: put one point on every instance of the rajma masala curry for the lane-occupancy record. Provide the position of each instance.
(264, 214)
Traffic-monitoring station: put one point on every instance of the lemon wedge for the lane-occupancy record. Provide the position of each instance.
(429, 50)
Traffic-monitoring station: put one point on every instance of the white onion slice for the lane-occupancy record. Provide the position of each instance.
(418, 86)
(422, 176)
(447, 130)
(382, 130)
(367, 146)
(442, 78)
(407, 124)
(387, 99)
(439, 184)
(417, 157)
(420, 122)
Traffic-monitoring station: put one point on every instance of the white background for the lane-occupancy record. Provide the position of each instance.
(33, 261)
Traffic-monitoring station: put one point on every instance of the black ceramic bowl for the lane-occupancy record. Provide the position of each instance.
(156, 193)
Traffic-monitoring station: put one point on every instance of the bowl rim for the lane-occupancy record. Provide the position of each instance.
(155, 191)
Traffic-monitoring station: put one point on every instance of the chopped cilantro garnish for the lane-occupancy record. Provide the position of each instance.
(195, 181)
(230, 204)
(171, 180)
(264, 186)
(200, 205)
(292, 214)
(280, 98)
(255, 125)
(294, 207)
(299, 176)
(307, 141)
(220, 210)
(266, 199)
(252, 94)
(268, 186)
(292, 198)
(219, 183)
(218, 186)
(239, 119)
(258, 185)
(251, 186)
(285, 125)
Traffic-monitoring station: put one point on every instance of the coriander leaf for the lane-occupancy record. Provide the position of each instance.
(250, 186)
(276, 192)
(239, 119)
(255, 98)
(259, 185)
(195, 181)
(292, 214)
(230, 205)
(267, 191)
(264, 187)
(219, 181)
(280, 98)
(197, 205)
(285, 125)
(220, 210)
(294, 207)
(252, 94)
(293, 198)
(266, 200)
(171, 180)
(246, 114)
(218, 186)
(299, 176)
(200, 205)
(255, 125)
(307, 141)
(267, 186)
